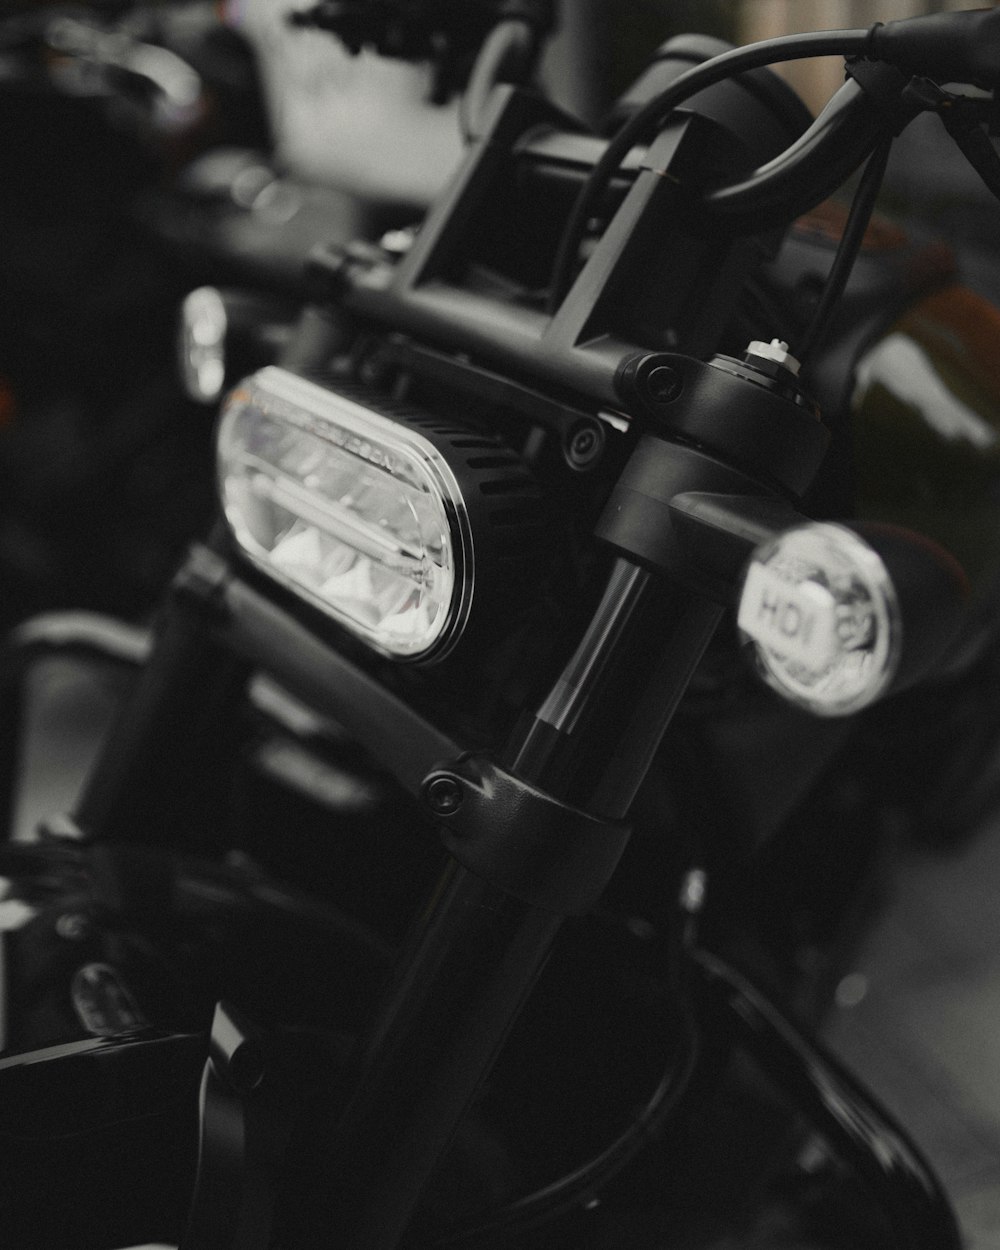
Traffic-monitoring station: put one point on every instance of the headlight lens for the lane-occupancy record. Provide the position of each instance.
(356, 512)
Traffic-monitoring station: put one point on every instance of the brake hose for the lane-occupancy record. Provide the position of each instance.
(848, 130)
(656, 111)
(848, 247)
(508, 55)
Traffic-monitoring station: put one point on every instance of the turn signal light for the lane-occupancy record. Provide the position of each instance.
(838, 618)
(821, 611)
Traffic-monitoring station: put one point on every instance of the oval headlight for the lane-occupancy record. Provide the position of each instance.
(360, 513)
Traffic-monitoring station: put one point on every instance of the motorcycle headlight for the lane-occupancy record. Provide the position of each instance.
(370, 517)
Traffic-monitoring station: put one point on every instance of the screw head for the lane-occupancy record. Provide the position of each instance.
(652, 380)
(73, 927)
(443, 796)
(663, 384)
(585, 445)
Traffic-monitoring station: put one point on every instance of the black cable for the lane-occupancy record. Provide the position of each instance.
(838, 142)
(848, 248)
(570, 1191)
(653, 114)
(962, 119)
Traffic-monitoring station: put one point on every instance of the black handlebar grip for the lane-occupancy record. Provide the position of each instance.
(949, 47)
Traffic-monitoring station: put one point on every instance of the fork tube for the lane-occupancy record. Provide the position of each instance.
(645, 630)
(475, 954)
(454, 996)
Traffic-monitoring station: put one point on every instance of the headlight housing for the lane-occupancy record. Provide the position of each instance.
(384, 520)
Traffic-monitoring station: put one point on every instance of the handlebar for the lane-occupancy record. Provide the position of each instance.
(663, 223)
(847, 131)
(949, 47)
(653, 114)
(963, 46)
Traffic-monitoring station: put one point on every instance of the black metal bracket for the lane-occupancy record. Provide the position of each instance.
(529, 844)
(274, 640)
(432, 293)
(241, 1139)
(582, 436)
(256, 1087)
(717, 534)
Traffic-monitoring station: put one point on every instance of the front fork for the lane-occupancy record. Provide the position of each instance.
(524, 857)
(532, 837)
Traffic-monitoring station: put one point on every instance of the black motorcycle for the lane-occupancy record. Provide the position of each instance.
(141, 165)
(449, 834)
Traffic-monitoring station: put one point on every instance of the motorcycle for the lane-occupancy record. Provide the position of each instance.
(435, 837)
(104, 110)
(143, 162)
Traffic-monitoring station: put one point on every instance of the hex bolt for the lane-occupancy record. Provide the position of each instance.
(443, 796)
(776, 350)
